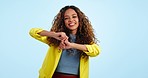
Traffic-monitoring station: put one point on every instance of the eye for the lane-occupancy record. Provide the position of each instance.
(74, 16)
(65, 18)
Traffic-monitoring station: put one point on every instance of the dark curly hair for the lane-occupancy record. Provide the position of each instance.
(84, 33)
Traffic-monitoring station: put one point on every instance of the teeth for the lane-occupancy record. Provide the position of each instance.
(71, 24)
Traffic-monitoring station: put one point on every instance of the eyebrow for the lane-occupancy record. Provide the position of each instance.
(68, 15)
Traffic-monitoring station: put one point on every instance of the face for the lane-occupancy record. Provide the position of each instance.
(71, 20)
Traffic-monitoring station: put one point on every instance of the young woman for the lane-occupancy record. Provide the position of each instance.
(71, 41)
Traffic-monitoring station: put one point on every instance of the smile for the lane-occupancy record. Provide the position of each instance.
(71, 24)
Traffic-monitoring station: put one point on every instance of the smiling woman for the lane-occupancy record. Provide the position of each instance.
(71, 20)
(72, 41)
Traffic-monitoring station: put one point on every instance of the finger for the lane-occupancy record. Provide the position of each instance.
(62, 45)
(60, 37)
(63, 36)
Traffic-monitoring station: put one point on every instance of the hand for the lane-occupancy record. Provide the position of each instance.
(68, 44)
(62, 45)
(60, 36)
(65, 44)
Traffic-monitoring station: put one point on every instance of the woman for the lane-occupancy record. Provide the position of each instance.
(71, 41)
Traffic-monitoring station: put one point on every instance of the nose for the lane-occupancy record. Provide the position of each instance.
(70, 20)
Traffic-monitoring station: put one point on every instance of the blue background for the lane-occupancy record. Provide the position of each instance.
(120, 25)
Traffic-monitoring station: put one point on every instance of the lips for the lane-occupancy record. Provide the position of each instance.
(71, 24)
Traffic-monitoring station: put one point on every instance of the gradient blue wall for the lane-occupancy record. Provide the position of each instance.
(120, 25)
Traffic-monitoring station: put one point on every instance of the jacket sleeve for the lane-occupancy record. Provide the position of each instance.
(93, 50)
(34, 33)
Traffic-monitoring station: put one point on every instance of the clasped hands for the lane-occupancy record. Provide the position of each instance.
(64, 44)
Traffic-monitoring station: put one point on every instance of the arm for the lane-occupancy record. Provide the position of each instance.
(56, 35)
(42, 35)
(34, 33)
(91, 49)
(79, 46)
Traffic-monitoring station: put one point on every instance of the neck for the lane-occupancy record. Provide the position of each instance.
(74, 32)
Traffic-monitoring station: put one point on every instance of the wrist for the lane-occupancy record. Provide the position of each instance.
(51, 34)
(72, 45)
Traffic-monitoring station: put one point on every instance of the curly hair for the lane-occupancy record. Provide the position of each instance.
(84, 33)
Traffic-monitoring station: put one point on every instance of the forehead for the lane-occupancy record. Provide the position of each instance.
(70, 12)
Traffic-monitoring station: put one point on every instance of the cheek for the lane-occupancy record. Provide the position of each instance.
(66, 22)
(77, 20)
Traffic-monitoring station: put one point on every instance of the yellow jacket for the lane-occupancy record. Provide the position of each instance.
(53, 55)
